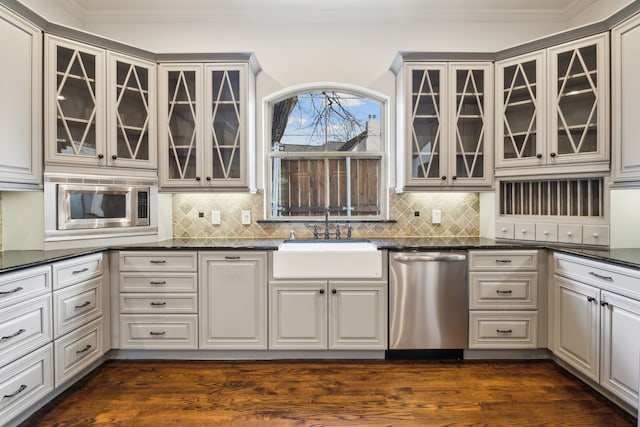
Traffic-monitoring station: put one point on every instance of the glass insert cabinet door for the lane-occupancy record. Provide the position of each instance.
(75, 109)
(224, 133)
(132, 113)
(520, 95)
(471, 124)
(180, 111)
(578, 121)
(426, 110)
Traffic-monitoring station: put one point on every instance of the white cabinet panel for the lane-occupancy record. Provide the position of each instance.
(77, 350)
(24, 284)
(141, 331)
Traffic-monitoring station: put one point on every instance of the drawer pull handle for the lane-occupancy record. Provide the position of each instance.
(82, 270)
(158, 261)
(504, 331)
(158, 304)
(604, 304)
(162, 282)
(84, 350)
(22, 388)
(599, 276)
(232, 257)
(86, 303)
(12, 291)
(503, 261)
(157, 333)
(501, 292)
(591, 299)
(15, 334)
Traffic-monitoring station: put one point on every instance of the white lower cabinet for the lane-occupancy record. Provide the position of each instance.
(233, 300)
(79, 314)
(343, 315)
(158, 300)
(596, 323)
(25, 381)
(503, 299)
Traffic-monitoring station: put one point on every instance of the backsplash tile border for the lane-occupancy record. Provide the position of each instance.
(460, 217)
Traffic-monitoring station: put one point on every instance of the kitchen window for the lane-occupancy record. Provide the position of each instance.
(326, 154)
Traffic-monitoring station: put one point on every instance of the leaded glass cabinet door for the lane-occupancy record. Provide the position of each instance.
(75, 110)
(521, 110)
(579, 101)
(470, 124)
(426, 130)
(131, 118)
(180, 135)
(225, 118)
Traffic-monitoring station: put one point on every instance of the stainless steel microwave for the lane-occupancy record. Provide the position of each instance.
(96, 206)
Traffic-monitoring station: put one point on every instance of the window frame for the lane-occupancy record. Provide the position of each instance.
(269, 155)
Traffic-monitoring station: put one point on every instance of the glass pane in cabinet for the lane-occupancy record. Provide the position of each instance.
(182, 125)
(469, 123)
(132, 105)
(577, 106)
(225, 123)
(520, 111)
(76, 103)
(426, 124)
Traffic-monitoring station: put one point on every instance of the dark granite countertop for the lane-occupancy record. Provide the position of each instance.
(15, 260)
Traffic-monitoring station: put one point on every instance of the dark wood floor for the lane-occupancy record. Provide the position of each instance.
(331, 393)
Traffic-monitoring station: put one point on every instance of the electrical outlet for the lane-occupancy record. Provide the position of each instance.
(246, 217)
(436, 216)
(215, 217)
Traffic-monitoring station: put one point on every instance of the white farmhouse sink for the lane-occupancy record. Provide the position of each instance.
(327, 259)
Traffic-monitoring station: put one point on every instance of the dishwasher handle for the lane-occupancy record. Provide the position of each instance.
(429, 258)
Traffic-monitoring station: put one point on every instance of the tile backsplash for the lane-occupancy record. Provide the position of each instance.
(460, 217)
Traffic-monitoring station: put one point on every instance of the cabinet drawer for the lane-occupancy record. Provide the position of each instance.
(546, 232)
(158, 303)
(24, 327)
(159, 282)
(24, 382)
(76, 305)
(77, 350)
(503, 329)
(504, 230)
(168, 332)
(602, 275)
(517, 290)
(570, 233)
(24, 284)
(503, 260)
(158, 261)
(76, 270)
(524, 231)
(595, 234)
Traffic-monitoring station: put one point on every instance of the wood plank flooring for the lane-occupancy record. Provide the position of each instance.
(330, 393)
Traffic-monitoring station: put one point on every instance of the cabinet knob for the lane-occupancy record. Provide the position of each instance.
(101, 156)
(321, 291)
(546, 232)
(197, 178)
(504, 230)
(552, 154)
(604, 304)
(595, 235)
(569, 233)
(454, 177)
(539, 155)
(114, 157)
(208, 178)
(444, 177)
(591, 299)
(523, 231)
(334, 291)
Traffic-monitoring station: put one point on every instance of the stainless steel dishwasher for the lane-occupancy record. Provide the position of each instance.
(428, 301)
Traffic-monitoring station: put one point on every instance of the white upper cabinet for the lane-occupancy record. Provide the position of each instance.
(448, 125)
(552, 110)
(520, 111)
(99, 107)
(20, 103)
(625, 100)
(579, 100)
(205, 113)
(131, 113)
